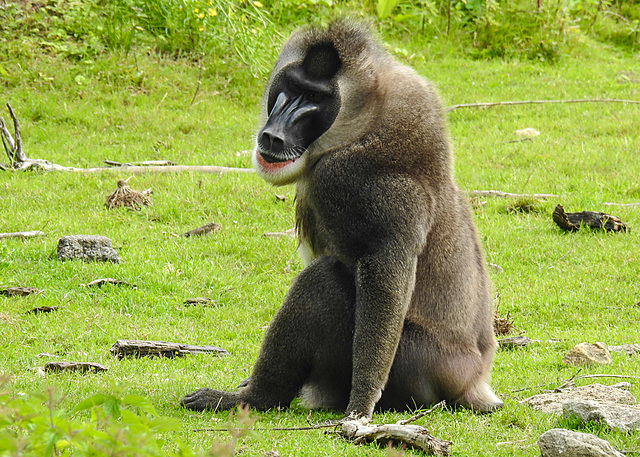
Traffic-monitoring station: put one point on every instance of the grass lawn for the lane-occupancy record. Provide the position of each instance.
(569, 288)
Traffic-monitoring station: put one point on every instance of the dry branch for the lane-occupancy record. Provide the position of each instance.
(206, 229)
(413, 436)
(144, 163)
(140, 348)
(571, 222)
(292, 232)
(74, 366)
(622, 204)
(136, 169)
(539, 102)
(199, 301)
(43, 309)
(500, 194)
(420, 415)
(101, 282)
(30, 234)
(19, 291)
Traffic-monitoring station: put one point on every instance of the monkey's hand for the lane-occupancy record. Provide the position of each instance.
(209, 399)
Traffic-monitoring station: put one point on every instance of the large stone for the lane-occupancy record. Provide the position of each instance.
(87, 248)
(588, 354)
(625, 418)
(561, 442)
(552, 403)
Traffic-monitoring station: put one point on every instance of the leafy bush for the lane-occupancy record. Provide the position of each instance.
(248, 32)
(34, 424)
(522, 28)
(84, 28)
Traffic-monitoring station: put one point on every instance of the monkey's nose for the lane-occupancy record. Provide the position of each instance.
(271, 141)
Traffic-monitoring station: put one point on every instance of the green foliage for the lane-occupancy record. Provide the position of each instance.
(246, 33)
(221, 29)
(34, 424)
(384, 8)
(542, 31)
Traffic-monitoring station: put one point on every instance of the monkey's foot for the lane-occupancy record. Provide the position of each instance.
(481, 399)
(210, 399)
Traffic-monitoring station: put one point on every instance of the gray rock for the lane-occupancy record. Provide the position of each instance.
(516, 342)
(629, 349)
(561, 442)
(87, 248)
(552, 403)
(625, 418)
(588, 354)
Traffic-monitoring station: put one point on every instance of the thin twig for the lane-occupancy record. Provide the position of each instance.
(310, 427)
(591, 376)
(195, 94)
(621, 204)
(442, 404)
(500, 194)
(539, 102)
(620, 376)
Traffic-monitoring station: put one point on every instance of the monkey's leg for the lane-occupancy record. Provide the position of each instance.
(308, 343)
(423, 374)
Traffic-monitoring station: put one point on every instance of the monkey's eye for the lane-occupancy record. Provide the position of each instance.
(314, 96)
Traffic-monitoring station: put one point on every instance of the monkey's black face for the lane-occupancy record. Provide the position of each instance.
(303, 101)
(300, 110)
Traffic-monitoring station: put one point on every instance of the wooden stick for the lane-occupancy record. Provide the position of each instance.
(30, 234)
(621, 204)
(164, 169)
(278, 429)
(17, 154)
(442, 404)
(499, 194)
(538, 102)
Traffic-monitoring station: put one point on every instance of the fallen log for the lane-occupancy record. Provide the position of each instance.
(571, 222)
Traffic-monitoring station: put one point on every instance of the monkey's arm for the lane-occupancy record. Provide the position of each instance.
(384, 283)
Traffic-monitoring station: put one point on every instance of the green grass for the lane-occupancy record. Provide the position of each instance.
(570, 287)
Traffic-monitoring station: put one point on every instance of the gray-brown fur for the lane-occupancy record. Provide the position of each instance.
(393, 310)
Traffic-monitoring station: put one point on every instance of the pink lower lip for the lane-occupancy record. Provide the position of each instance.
(271, 166)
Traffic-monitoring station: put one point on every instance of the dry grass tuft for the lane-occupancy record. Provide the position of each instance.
(128, 197)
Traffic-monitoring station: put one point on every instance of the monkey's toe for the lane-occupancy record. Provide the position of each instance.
(208, 399)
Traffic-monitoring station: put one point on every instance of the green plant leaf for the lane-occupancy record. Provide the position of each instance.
(140, 402)
(97, 399)
(384, 8)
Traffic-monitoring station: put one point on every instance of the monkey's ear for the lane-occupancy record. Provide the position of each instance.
(322, 61)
